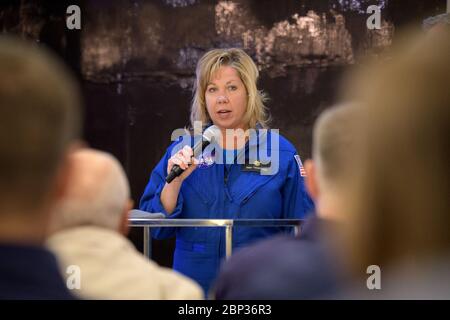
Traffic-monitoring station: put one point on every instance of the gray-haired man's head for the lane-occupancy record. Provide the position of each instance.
(98, 194)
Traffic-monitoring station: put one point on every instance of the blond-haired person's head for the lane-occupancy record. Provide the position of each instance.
(226, 93)
(400, 180)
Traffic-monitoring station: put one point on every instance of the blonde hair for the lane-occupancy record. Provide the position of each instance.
(211, 61)
(398, 190)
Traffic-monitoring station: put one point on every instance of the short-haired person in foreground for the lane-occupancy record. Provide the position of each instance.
(39, 119)
(399, 218)
(301, 267)
(90, 227)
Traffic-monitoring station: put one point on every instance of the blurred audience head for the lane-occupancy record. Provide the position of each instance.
(39, 122)
(436, 23)
(400, 179)
(98, 194)
(333, 140)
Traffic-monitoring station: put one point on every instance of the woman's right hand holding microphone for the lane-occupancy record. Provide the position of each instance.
(185, 160)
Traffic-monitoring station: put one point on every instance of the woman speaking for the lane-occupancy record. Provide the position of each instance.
(236, 187)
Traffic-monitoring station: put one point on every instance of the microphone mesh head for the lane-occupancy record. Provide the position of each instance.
(212, 133)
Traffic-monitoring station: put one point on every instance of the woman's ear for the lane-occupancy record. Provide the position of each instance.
(312, 185)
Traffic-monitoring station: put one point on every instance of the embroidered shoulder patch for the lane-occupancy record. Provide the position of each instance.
(300, 165)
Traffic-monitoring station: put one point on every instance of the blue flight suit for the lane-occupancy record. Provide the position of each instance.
(227, 191)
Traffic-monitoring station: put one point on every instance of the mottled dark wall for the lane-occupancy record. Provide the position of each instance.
(135, 61)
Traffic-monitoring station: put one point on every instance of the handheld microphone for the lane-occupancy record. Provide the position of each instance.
(209, 135)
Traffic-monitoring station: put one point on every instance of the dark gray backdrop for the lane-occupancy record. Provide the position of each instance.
(135, 61)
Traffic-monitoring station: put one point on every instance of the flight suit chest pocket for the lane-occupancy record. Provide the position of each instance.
(199, 187)
(250, 183)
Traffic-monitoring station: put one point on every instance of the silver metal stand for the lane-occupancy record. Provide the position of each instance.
(147, 220)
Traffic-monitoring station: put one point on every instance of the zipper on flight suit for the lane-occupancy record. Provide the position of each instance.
(225, 175)
(225, 181)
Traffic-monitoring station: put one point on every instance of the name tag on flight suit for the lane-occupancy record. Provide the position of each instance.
(256, 166)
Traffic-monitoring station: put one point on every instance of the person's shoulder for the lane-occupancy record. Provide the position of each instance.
(283, 143)
(267, 256)
(286, 145)
(262, 252)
